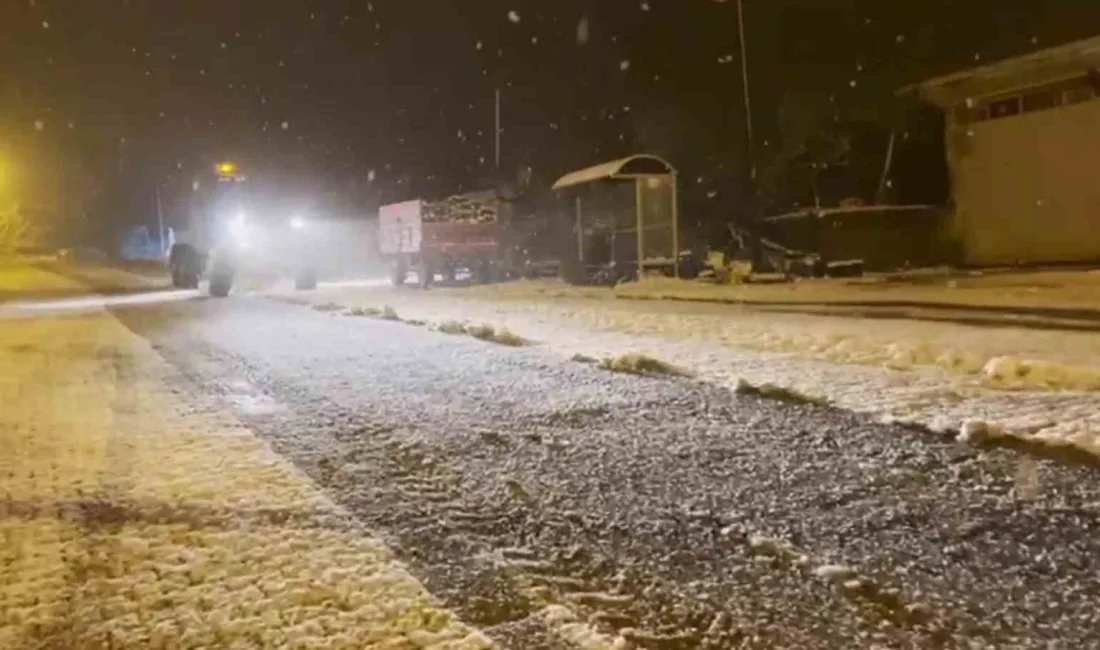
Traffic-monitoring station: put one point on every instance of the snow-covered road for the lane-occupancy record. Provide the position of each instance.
(198, 473)
(554, 504)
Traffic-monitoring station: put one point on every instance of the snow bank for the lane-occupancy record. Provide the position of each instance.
(1030, 385)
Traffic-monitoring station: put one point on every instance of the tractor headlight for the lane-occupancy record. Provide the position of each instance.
(239, 231)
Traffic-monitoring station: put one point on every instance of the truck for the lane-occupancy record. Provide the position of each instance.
(224, 238)
(467, 233)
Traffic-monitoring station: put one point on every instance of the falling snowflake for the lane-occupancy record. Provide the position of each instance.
(513, 16)
(39, 125)
(853, 83)
(712, 194)
(45, 24)
(370, 176)
(645, 6)
(728, 58)
(900, 38)
(479, 46)
(286, 125)
(624, 65)
(582, 31)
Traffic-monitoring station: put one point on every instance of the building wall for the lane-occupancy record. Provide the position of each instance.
(1027, 186)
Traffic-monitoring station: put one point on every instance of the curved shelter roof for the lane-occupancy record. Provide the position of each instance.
(638, 165)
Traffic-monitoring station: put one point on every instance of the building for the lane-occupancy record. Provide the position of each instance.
(1023, 147)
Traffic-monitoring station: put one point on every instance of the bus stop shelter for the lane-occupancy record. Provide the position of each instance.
(626, 214)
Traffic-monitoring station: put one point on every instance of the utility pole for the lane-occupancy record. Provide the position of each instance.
(745, 87)
(160, 222)
(497, 128)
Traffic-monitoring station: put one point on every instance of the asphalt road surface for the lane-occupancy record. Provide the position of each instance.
(518, 485)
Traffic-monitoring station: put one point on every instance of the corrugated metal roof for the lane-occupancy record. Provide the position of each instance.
(610, 170)
(1043, 66)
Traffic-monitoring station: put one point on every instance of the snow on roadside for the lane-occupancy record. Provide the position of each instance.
(1043, 289)
(1002, 357)
(19, 278)
(129, 518)
(850, 375)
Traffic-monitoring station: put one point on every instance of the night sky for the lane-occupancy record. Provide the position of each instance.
(343, 104)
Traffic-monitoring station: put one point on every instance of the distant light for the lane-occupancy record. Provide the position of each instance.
(227, 169)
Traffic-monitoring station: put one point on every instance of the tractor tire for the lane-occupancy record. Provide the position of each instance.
(220, 285)
(185, 265)
(306, 280)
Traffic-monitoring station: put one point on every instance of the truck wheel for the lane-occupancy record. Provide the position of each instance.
(220, 284)
(306, 280)
(484, 274)
(426, 275)
(398, 274)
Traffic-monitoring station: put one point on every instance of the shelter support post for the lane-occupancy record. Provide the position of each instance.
(640, 216)
(580, 230)
(674, 179)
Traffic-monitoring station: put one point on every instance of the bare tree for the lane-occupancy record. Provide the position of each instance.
(811, 139)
